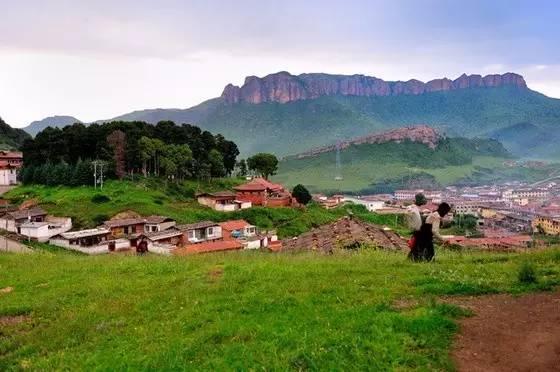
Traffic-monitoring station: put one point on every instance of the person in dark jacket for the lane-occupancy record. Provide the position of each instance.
(424, 247)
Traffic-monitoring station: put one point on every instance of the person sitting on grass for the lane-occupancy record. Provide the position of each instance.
(424, 245)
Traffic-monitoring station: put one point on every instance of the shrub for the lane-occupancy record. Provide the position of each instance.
(100, 199)
(99, 219)
(527, 273)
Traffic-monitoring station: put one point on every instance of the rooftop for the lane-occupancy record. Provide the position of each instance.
(25, 213)
(85, 233)
(198, 225)
(124, 222)
(158, 219)
(216, 246)
(234, 225)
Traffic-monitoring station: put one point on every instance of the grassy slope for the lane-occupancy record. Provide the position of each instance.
(154, 197)
(243, 310)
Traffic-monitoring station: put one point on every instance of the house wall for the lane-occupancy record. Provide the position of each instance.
(8, 177)
(39, 233)
(209, 202)
(255, 197)
(8, 224)
(118, 232)
(216, 232)
(279, 202)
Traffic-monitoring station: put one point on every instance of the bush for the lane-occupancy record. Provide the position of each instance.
(99, 219)
(527, 273)
(100, 199)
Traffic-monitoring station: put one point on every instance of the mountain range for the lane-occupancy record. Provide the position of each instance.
(51, 121)
(288, 114)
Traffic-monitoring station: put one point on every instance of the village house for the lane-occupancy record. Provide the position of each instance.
(43, 231)
(8, 174)
(248, 234)
(158, 223)
(121, 228)
(10, 163)
(371, 203)
(328, 202)
(14, 158)
(236, 229)
(11, 221)
(263, 192)
(163, 241)
(201, 232)
(223, 201)
(90, 241)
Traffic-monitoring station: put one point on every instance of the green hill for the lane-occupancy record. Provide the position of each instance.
(387, 166)
(11, 138)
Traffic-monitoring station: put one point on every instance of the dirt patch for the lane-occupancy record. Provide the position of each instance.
(215, 274)
(12, 320)
(6, 290)
(509, 333)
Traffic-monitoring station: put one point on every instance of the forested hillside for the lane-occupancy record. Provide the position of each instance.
(63, 156)
(11, 138)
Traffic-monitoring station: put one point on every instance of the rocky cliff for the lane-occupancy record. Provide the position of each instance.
(419, 133)
(284, 87)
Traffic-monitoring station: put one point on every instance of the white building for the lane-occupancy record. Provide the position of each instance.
(43, 231)
(407, 194)
(371, 205)
(8, 174)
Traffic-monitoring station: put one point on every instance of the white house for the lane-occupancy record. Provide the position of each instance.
(371, 205)
(43, 231)
(90, 241)
(8, 174)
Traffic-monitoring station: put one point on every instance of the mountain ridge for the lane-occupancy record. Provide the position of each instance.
(55, 121)
(283, 87)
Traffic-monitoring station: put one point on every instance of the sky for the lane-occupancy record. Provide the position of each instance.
(96, 59)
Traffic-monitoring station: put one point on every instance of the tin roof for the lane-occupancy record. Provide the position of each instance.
(84, 233)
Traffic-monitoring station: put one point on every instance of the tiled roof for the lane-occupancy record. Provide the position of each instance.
(234, 225)
(216, 246)
(124, 222)
(198, 225)
(258, 184)
(32, 212)
(158, 219)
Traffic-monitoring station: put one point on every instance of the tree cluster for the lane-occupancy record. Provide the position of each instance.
(165, 149)
(61, 173)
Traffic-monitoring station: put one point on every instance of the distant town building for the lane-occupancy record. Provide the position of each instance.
(547, 225)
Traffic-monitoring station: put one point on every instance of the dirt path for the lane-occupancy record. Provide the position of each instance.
(509, 333)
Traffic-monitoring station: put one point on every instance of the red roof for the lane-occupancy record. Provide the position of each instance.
(259, 184)
(216, 246)
(5, 165)
(234, 225)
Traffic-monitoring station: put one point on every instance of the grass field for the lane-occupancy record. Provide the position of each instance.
(176, 201)
(357, 175)
(368, 310)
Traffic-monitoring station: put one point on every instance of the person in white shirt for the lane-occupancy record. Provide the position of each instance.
(424, 248)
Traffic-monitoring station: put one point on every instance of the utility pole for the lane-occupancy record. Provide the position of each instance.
(98, 164)
(94, 174)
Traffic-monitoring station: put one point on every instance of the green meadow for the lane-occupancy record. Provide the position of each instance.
(364, 310)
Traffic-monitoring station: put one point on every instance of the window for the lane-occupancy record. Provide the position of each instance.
(210, 231)
(191, 234)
